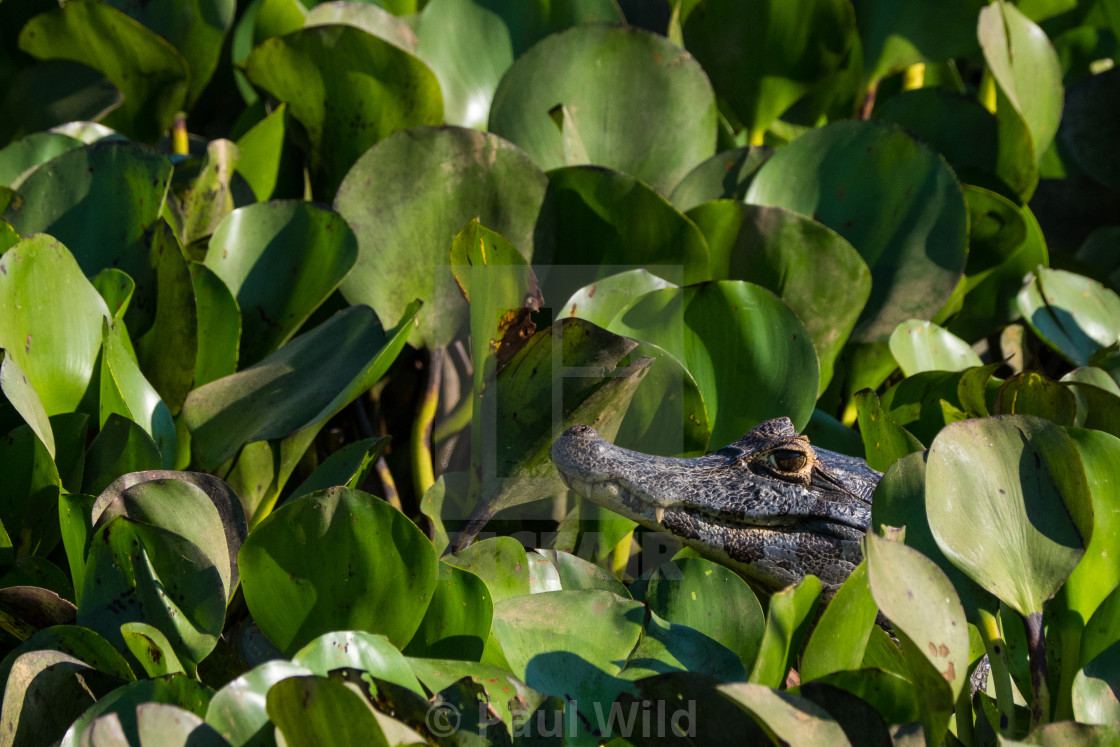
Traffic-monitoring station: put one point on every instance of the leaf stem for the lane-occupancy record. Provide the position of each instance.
(457, 420)
(1040, 687)
(756, 137)
(423, 470)
(1000, 674)
(964, 716)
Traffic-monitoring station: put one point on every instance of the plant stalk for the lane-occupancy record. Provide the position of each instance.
(756, 137)
(1040, 686)
(964, 716)
(423, 469)
(1000, 674)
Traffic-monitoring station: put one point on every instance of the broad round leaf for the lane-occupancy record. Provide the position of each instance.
(408, 197)
(1087, 120)
(764, 55)
(177, 690)
(631, 100)
(338, 559)
(751, 358)
(1030, 393)
(724, 176)
(317, 710)
(457, 621)
(349, 89)
(142, 573)
(55, 344)
(600, 302)
(893, 198)
(672, 647)
(789, 718)
(992, 152)
(895, 35)
(31, 151)
(924, 346)
(711, 599)
(600, 217)
(238, 711)
(926, 614)
(840, 637)
(196, 28)
(1008, 502)
(151, 73)
(100, 201)
(52, 93)
(357, 650)
(1026, 67)
(1073, 314)
(280, 260)
(809, 266)
(500, 562)
(369, 17)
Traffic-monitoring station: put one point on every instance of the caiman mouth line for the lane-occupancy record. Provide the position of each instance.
(837, 527)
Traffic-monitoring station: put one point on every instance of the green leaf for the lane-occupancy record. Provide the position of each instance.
(176, 689)
(125, 392)
(316, 710)
(448, 32)
(169, 351)
(601, 301)
(893, 198)
(338, 559)
(121, 446)
(28, 153)
(197, 28)
(150, 73)
(982, 149)
(366, 16)
(238, 710)
(219, 326)
(142, 573)
(1024, 539)
(22, 396)
(505, 694)
(77, 533)
(310, 378)
(839, 640)
(895, 36)
(357, 650)
(1073, 314)
(810, 267)
(457, 621)
(265, 158)
(500, 562)
(577, 573)
(919, 600)
(55, 345)
(1030, 393)
(671, 647)
(787, 718)
(194, 505)
(571, 644)
(709, 598)
(501, 289)
(72, 677)
(1087, 112)
(924, 346)
(100, 201)
(894, 697)
(52, 92)
(29, 493)
(764, 55)
(408, 196)
(613, 82)
(209, 196)
(725, 176)
(151, 648)
(751, 358)
(1098, 572)
(787, 622)
(348, 89)
(1026, 68)
(281, 260)
(346, 467)
(597, 216)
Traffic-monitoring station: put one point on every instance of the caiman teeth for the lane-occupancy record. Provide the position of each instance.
(658, 514)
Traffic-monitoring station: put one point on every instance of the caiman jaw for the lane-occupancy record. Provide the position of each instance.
(770, 504)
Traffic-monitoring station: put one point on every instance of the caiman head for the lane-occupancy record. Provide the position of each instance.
(770, 505)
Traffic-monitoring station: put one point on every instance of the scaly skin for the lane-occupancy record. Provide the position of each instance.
(770, 505)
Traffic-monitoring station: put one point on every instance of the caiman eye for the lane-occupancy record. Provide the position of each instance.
(787, 460)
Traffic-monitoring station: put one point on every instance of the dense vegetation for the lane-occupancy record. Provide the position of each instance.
(294, 299)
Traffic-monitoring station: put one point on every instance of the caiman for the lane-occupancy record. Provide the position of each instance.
(771, 505)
